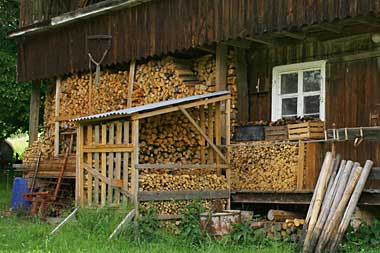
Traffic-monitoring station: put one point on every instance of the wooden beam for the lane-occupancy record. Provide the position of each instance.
(132, 70)
(330, 28)
(34, 112)
(267, 42)
(221, 67)
(355, 57)
(56, 126)
(244, 44)
(192, 121)
(301, 166)
(89, 149)
(207, 49)
(292, 35)
(242, 83)
(183, 195)
(135, 160)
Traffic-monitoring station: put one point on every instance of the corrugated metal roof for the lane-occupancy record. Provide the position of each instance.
(151, 107)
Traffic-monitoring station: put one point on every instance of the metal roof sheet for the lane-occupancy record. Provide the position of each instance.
(151, 107)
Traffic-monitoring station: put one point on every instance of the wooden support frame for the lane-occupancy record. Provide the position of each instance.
(57, 107)
(35, 101)
(113, 144)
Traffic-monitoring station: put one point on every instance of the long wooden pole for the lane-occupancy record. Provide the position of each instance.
(335, 221)
(320, 192)
(351, 205)
(132, 69)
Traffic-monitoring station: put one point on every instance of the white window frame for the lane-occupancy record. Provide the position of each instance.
(300, 68)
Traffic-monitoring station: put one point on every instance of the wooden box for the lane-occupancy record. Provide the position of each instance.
(306, 131)
(276, 133)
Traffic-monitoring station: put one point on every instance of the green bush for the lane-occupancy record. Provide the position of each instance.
(366, 238)
(146, 228)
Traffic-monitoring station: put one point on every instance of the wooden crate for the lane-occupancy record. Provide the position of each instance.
(276, 133)
(306, 131)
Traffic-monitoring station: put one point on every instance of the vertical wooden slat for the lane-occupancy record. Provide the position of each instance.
(96, 158)
(221, 67)
(79, 172)
(119, 130)
(210, 132)
(104, 166)
(242, 82)
(110, 162)
(89, 162)
(135, 161)
(126, 159)
(132, 69)
(228, 142)
(218, 136)
(203, 127)
(301, 165)
(34, 112)
(57, 102)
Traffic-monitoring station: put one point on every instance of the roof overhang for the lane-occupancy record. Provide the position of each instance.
(77, 15)
(158, 108)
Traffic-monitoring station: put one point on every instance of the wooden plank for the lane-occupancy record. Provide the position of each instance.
(216, 149)
(112, 183)
(89, 162)
(202, 123)
(35, 100)
(57, 104)
(119, 130)
(96, 165)
(110, 162)
(106, 149)
(210, 132)
(313, 157)
(176, 108)
(135, 160)
(126, 158)
(228, 142)
(242, 83)
(301, 165)
(80, 171)
(221, 67)
(218, 136)
(132, 70)
(180, 166)
(103, 167)
(183, 195)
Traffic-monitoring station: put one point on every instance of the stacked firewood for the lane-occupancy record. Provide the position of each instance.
(335, 198)
(178, 207)
(264, 168)
(184, 182)
(169, 138)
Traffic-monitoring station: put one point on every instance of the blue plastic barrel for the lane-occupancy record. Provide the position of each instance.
(20, 187)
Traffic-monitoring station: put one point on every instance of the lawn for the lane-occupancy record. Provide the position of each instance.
(89, 233)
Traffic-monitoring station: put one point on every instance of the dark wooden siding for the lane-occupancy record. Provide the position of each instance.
(164, 26)
(352, 87)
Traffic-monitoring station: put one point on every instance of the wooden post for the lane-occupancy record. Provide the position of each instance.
(79, 185)
(135, 161)
(132, 69)
(202, 123)
(210, 132)
(57, 102)
(228, 142)
(35, 100)
(242, 83)
(97, 166)
(301, 165)
(89, 162)
(126, 160)
(218, 136)
(103, 190)
(221, 67)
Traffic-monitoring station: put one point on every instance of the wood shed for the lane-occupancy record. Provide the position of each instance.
(294, 69)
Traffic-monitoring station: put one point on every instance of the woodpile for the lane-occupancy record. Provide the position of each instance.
(169, 138)
(183, 182)
(264, 168)
(178, 207)
(289, 230)
(335, 198)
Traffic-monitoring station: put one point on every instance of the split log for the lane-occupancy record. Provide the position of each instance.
(282, 215)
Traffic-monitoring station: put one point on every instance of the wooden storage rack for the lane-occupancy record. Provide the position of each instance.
(306, 131)
(108, 153)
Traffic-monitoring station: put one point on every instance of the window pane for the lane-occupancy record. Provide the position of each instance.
(289, 83)
(312, 80)
(289, 106)
(311, 105)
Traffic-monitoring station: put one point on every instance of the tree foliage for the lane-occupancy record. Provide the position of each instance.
(14, 97)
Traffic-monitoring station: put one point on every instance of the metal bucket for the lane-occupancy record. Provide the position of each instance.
(220, 223)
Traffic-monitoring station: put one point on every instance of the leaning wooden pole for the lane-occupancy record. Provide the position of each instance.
(335, 221)
(351, 205)
(320, 192)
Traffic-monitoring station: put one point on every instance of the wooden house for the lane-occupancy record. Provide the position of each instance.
(316, 59)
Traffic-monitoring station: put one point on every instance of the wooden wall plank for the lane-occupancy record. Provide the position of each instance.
(119, 132)
(110, 162)
(89, 140)
(96, 165)
(103, 196)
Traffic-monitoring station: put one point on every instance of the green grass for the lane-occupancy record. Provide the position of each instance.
(19, 143)
(89, 233)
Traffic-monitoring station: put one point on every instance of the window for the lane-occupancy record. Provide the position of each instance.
(299, 90)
